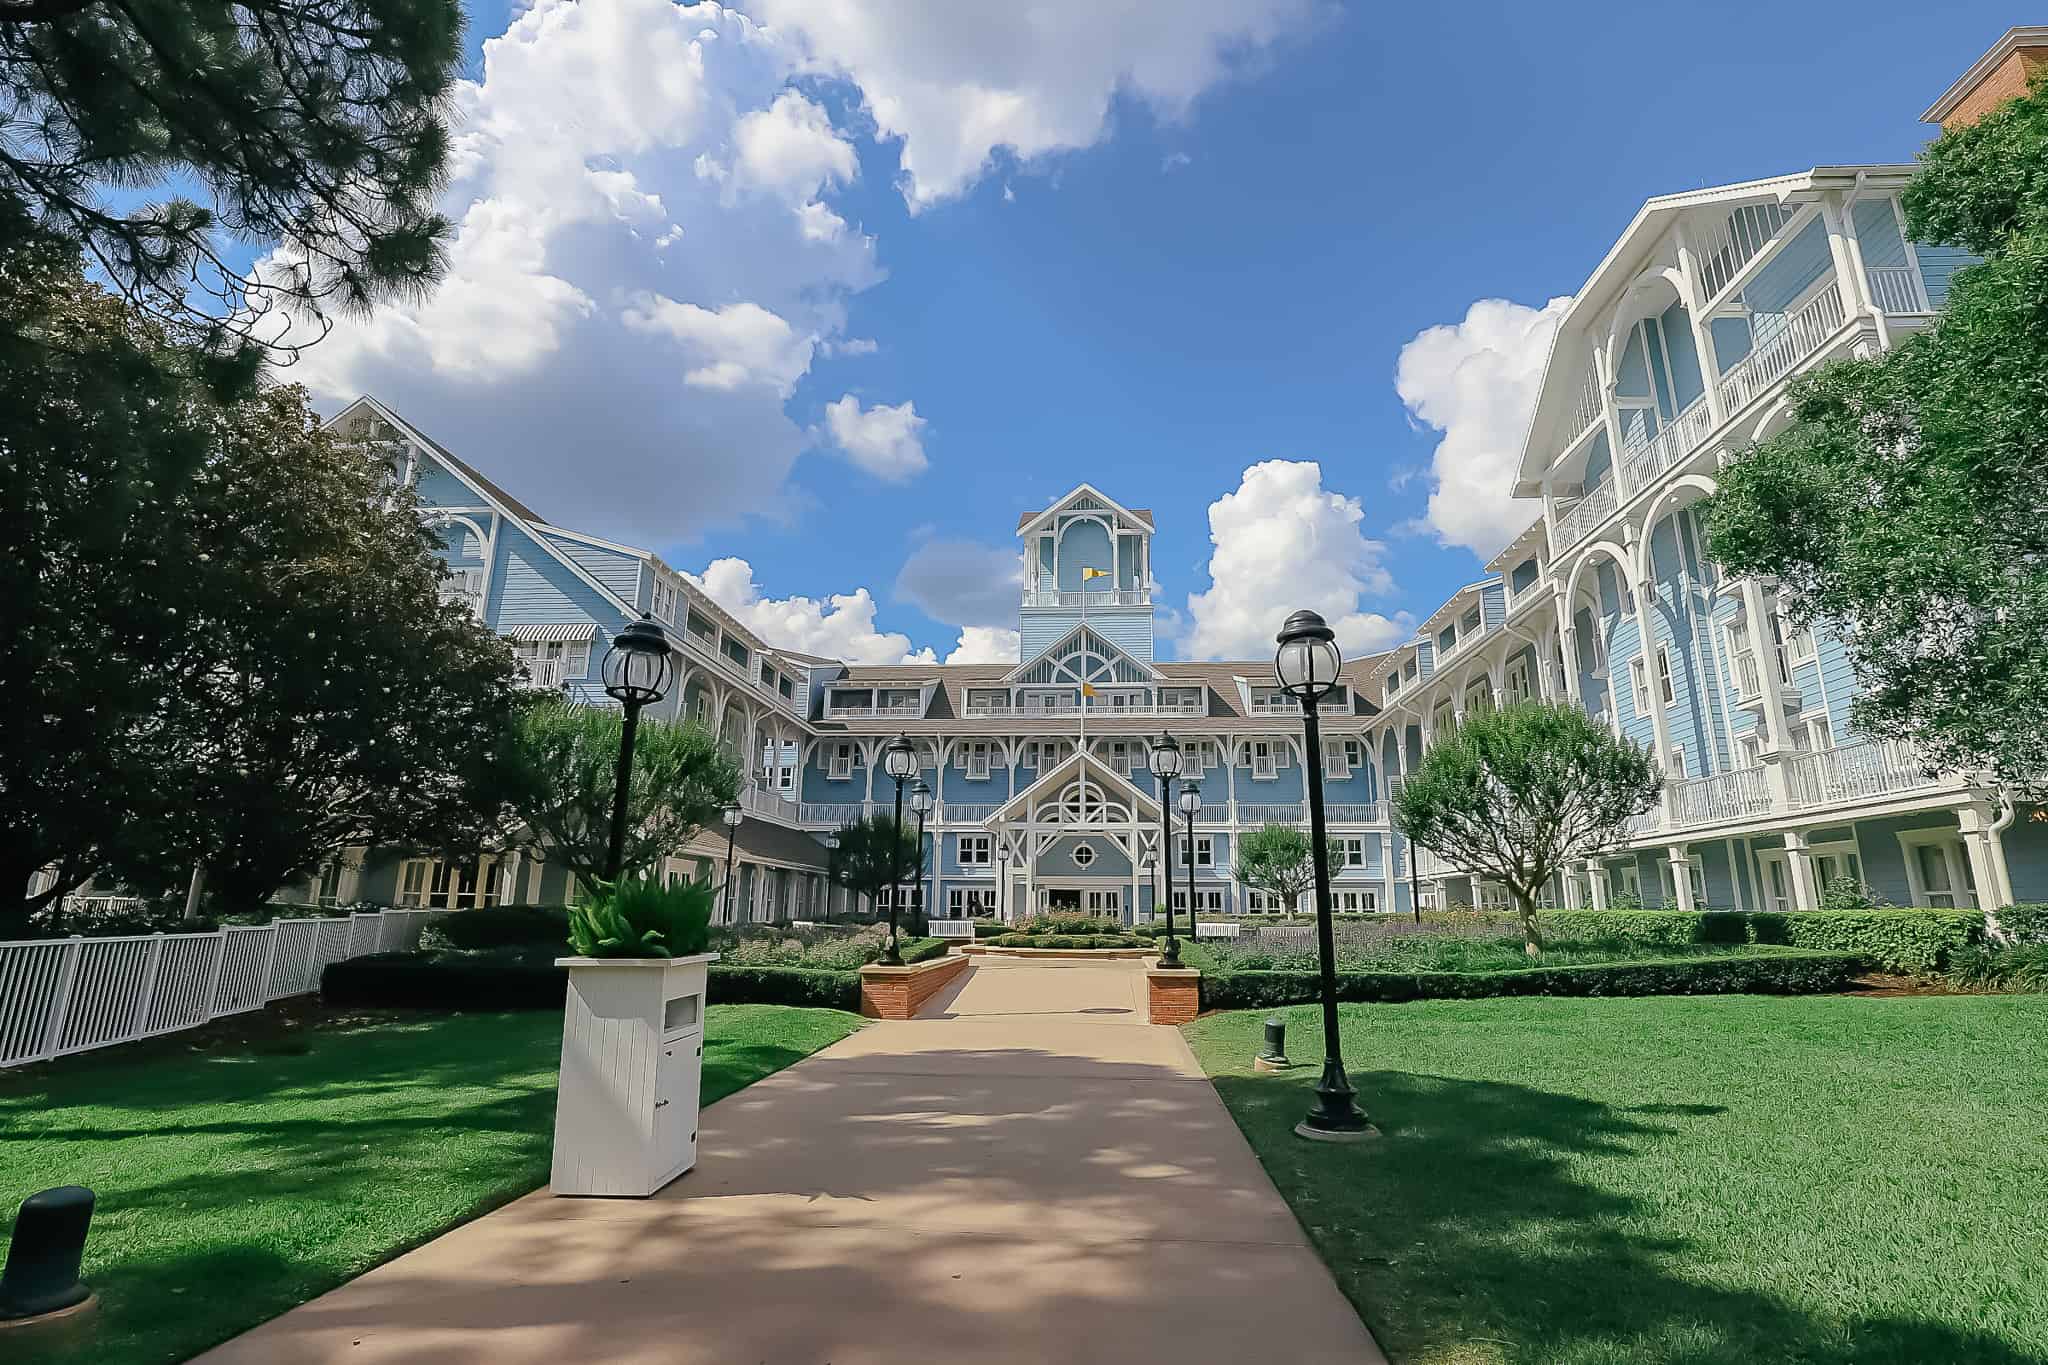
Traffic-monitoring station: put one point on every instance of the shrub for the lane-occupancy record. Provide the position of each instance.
(642, 918)
(499, 927)
(1891, 940)
(1070, 923)
(497, 980)
(2025, 924)
(1982, 967)
(1784, 971)
(839, 948)
(1068, 941)
(838, 990)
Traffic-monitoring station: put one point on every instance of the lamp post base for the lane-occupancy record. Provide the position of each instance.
(1171, 957)
(1336, 1117)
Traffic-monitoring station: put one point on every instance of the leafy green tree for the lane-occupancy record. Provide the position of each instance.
(1907, 505)
(567, 760)
(226, 644)
(873, 853)
(1520, 793)
(317, 124)
(1277, 860)
(317, 693)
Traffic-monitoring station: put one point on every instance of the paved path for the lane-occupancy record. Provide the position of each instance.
(1026, 1173)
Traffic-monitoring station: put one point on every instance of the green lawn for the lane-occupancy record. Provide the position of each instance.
(242, 1171)
(1715, 1181)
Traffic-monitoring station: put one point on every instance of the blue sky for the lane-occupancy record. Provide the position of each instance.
(1225, 271)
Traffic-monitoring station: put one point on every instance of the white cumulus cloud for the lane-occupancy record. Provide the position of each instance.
(888, 442)
(986, 645)
(958, 82)
(1283, 542)
(1476, 382)
(841, 626)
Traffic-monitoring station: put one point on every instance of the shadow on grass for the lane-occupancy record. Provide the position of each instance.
(1465, 1223)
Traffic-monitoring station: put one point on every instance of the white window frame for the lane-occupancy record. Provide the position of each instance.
(1815, 734)
(1354, 900)
(975, 850)
(1352, 846)
(1208, 900)
(1749, 749)
(1205, 851)
(845, 758)
(1515, 684)
(967, 902)
(1639, 684)
(1667, 688)
(1678, 767)
(1264, 764)
(666, 596)
(1961, 894)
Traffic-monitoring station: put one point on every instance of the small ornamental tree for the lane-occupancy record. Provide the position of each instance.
(873, 853)
(1276, 860)
(1521, 793)
(1907, 504)
(567, 759)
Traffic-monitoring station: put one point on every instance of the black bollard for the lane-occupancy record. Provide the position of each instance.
(1273, 1056)
(44, 1257)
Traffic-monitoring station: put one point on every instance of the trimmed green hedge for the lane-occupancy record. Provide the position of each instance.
(2028, 924)
(1891, 940)
(501, 926)
(837, 990)
(917, 950)
(445, 981)
(1065, 941)
(1783, 971)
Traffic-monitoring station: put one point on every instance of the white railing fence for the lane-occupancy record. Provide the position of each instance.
(1783, 350)
(65, 995)
(1727, 795)
(1588, 512)
(1677, 439)
(1896, 288)
(1857, 771)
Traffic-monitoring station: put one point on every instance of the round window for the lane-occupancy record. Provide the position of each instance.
(1084, 854)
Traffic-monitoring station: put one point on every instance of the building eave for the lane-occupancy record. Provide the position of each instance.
(2011, 41)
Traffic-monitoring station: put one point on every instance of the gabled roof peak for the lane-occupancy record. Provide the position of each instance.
(1095, 500)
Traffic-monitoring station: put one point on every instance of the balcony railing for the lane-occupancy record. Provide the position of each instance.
(1093, 597)
(545, 675)
(1729, 795)
(1271, 813)
(1896, 288)
(994, 710)
(770, 805)
(1679, 438)
(1856, 772)
(832, 814)
(1588, 512)
(833, 711)
(967, 812)
(1784, 350)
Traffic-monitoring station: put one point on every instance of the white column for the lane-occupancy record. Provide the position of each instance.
(1799, 862)
(1568, 636)
(1702, 334)
(1681, 877)
(1596, 881)
(1848, 258)
(1574, 897)
(1987, 856)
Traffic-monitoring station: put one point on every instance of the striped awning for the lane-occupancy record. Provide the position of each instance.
(574, 634)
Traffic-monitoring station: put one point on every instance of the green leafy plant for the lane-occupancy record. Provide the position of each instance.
(640, 917)
(1845, 893)
(1278, 861)
(1987, 968)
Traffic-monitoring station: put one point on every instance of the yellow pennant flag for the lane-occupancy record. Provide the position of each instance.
(1094, 573)
(1087, 691)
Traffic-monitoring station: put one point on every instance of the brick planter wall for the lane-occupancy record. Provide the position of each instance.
(1173, 994)
(900, 992)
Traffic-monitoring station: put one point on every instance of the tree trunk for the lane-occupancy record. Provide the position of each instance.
(1532, 937)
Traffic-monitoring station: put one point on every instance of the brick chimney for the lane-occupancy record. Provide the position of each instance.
(2001, 74)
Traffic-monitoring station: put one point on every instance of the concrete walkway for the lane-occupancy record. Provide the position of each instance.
(1027, 1173)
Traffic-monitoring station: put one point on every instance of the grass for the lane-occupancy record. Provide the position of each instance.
(250, 1166)
(1360, 950)
(1715, 1181)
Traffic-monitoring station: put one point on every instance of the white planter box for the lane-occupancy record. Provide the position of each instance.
(632, 1065)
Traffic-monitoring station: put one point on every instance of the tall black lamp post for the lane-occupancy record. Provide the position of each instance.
(921, 806)
(1307, 663)
(899, 760)
(732, 815)
(1002, 876)
(636, 672)
(1166, 758)
(1190, 806)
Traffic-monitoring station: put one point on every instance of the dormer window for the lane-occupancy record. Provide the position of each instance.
(665, 598)
(703, 628)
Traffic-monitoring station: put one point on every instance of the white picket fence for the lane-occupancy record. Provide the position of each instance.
(65, 995)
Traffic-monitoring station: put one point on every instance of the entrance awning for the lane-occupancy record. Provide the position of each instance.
(562, 634)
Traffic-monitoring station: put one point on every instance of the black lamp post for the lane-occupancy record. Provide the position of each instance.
(1307, 663)
(899, 760)
(1190, 806)
(831, 869)
(1166, 758)
(921, 806)
(636, 672)
(1002, 876)
(732, 814)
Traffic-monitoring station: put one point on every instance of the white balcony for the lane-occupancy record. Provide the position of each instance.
(1780, 352)
(1678, 439)
(833, 814)
(545, 675)
(1861, 771)
(967, 812)
(993, 710)
(1730, 795)
(911, 710)
(770, 805)
(1093, 597)
(1588, 512)
(1271, 813)
(1897, 289)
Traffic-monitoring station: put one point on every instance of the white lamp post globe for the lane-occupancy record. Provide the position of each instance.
(1166, 758)
(899, 760)
(1190, 800)
(732, 815)
(920, 798)
(1307, 659)
(636, 668)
